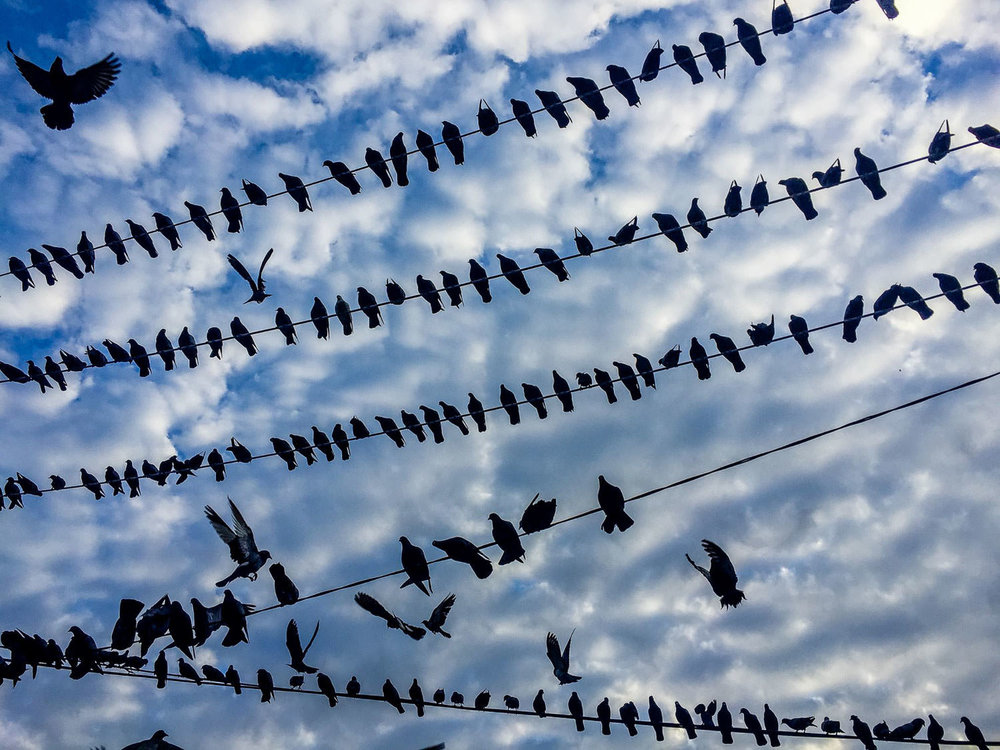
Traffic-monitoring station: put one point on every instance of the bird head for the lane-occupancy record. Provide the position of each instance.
(265, 555)
(277, 569)
(159, 734)
(57, 66)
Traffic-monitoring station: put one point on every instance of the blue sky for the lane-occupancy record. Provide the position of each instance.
(862, 555)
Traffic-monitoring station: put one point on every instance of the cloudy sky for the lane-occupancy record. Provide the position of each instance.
(867, 558)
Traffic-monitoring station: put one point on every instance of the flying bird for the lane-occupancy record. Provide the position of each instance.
(684, 58)
(242, 547)
(296, 653)
(721, 575)
(257, 293)
(65, 89)
(750, 39)
(435, 623)
(560, 659)
(371, 605)
(297, 189)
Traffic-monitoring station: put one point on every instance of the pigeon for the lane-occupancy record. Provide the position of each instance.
(200, 218)
(435, 622)
(28, 487)
(284, 323)
(13, 493)
(425, 143)
(342, 310)
(952, 290)
(987, 135)
(391, 429)
(65, 89)
(781, 18)
(697, 219)
(727, 348)
(623, 84)
(265, 683)
(217, 464)
(906, 731)
(758, 196)
(868, 172)
(862, 732)
(721, 575)
(511, 702)
(912, 298)
(160, 670)
(886, 301)
(417, 696)
(304, 448)
(706, 713)
(830, 726)
(831, 177)
(986, 277)
(239, 451)
(480, 280)
(188, 671)
(476, 412)
(166, 228)
(41, 263)
(629, 380)
(513, 273)
(464, 551)
(188, 347)
(72, 362)
(181, 629)
(761, 334)
(800, 331)
(715, 50)
(482, 700)
(753, 724)
(935, 733)
(584, 380)
(554, 106)
(415, 566)
(214, 338)
(370, 307)
(376, 163)
(507, 539)
(590, 94)
(114, 242)
(233, 678)
(296, 653)
(15, 374)
(374, 607)
(771, 726)
(131, 477)
(629, 715)
(257, 293)
(576, 710)
(699, 358)
(533, 395)
(583, 244)
(242, 547)
(412, 423)
(538, 515)
(734, 203)
(453, 415)
(725, 720)
(394, 292)
(114, 480)
(397, 154)
(603, 379)
(231, 210)
(453, 140)
(626, 233)
(750, 39)
(21, 273)
(973, 733)
(353, 686)
(509, 402)
(342, 174)
(63, 257)
(430, 293)
(255, 194)
(320, 318)
(522, 111)
(538, 704)
(453, 288)
(165, 349)
(457, 698)
(798, 190)
(340, 440)
(604, 716)
(671, 229)
(656, 719)
(562, 391)
(140, 356)
(651, 63)
(552, 262)
(685, 60)
(612, 502)
(487, 119)
(242, 336)
(297, 190)
(322, 442)
(683, 717)
(852, 318)
(54, 371)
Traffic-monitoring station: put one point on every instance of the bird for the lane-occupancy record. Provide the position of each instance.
(376, 163)
(628, 379)
(339, 436)
(671, 229)
(397, 154)
(285, 452)
(28, 487)
(715, 50)
(562, 391)
(862, 732)
(603, 379)
(482, 700)
(342, 310)
(213, 674)
(487, 119)
(57, 482)
(798, 190)
(513, 273)
(165, 349)
(457, 698)
(651, 63)
(21, 273)
(554, 106)
(217, 464)
(239, 451)
(476, 412)
(753, 724)
(320, 319)
(54, 371)
(973, 733)
(881, 731)
(453, 288)
(576, 710)
(538, 515)
(886, 301)
(160, 670)
(285, 325)
(907, 731)
(750, 39)
(391, 430)
(297, 190)
(629, 715)
(987, 135)
(371, 605)
(439, 696)
(771, 726)
(553, 262)
(623, 84)
(800, 331)
(507, 539)
(394, 292)
(63, 257)
(188, 671)
(734, 203)
(430, 293)
(41, 263)
(685, 60)
(13, 493)
(868, 172)
(233, 678)
(511, 702)
(257, 293)
(584, 380)
(831, 177)
(304, 448)
(683, 717)
(66, 89)
(560, 659)
(415, 566)
(590, 95)
(322, 442)
(852, 318)
(656, 719)
(986, 277)
(231, 210)
(829, 726)
(114, 242)
(761, 334)
(721, 575)
(412, 423)
(626, 233)
(452, 138)
(265, 683)
(697, 219)
(699, 358)
(509, 402)
(758, 196)
(285, 590)
(391, 696)
(353, 686)
(72, 362)
(342, 174)
(462, 550)
(163, 223)
(480, 280)
(538, 703)
(214, 338)
(604, 715)
(781, 18)
(255, 193)
(425, 144)
(453, 415)
(296, 653)
(131, 477)
(935, 733)
(913, 299)
(181, 629)
(359, 429)
(242, 336)
(140, 357)
(155, 742)
(242, 546)
(952, 290)
(533, 394)
(522, 112)
(200, 218)
(417, 696)
(725, 720)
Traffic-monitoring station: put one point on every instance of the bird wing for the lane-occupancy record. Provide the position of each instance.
(440, 613)
(260, 272)
(565, 653)
(552, 651)
(313, 638)
(721, 563)
(293, 642)
(371, 604)
(92, 82)
(225, 533)
(36, 77)
(242, 271)
(244, 534)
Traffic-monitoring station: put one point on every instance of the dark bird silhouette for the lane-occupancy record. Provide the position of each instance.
(612, 502)
(684, 58)
(415, 566)
(952, 289)
(507, 539)
(538, 704)
(233, 679)
(862, 732)
(321, 319)
(886, 301)
(353, 686)
(397, 154)
(114, 481)
(302, 446)
(987, 135)
(265, 684)
(463, 551)
(509, 402)
(476, 413)
(699, 358)
(66, 89)
(85, 248)
(435, 623)
(200, 218)
(325, 685)
(604, 715)
(376, 163)
(750, 40)
(721, 575)
(285, 452)
(131, 477)
(480, 280)
(781, 18)
(626, 233)
(800, 331)
(165, 349)
(697, 219)
(753, 724)
(576, 710)
(231, 210)
(13, 493)
(771, 726)
(257, 293)
(831, 177)
(798, 190)
(651, 63)
(538, 515)
(54, 371)
(725, 720)
(973, 733)
(139, 356)
(533, 394)
(453, 415)
(852, 318)
(217, 464)
(562, 391)
(628, 379)
(239, 451)
(342, 174)
(166, 228)
(181, 629)
(28, 487)
(830, 726)
(417, 696)
(590, 95)
(706, 713)
(513, 273)
(371, 605)
(986, 277)
(935, 733)
(487, 119)
(727, 348)
(553, 262)
(242, 547)
(430, 293)
(511, 702)
(868, 172)
(584, 380)
(439, 695)
(554, 106)
(603, 379)
(734, 203)
(188, 671)
(623, 83)
(16, 374)
(671, 229)
(715, 51)
(359, 429)
(912, 298)
(115, 244)
(369, 306)
(284, 323)
(160, 670)
(72, 362)
(342, 310)
(322, 442)
(255, 194)
(188, 347)
(297, 189)
(906, 731)
(761, 334)
(656, 719)
(412, 423)
(391, 429)
(522, 111)
(65, 260)
(452, 138)
(242, 336)
(340, 440)
(453, 287)
(41, 263)
(583, 244)
(457, 698)
(394, 292)
(758, 196)
(212, 674)
(21, 273)
(296, 653)
(425, 143)
(214, 338)
(629, 715)
(683, 717)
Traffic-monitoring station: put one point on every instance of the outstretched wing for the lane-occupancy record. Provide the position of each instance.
(415, 632)
(92, 82)
(37, 78)
(722, 566)
(244, 534)
(225, 533)
(553, 652)
(241, 270)
(313, 638)
(440, 613)
(374, 607)
(565, 653)
(293, 642)
(260, 272)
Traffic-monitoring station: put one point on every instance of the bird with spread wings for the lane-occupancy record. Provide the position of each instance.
(559, 659)
(373, 606)
(256, 285)
(242, 547)
(296, 653)
(721, 574)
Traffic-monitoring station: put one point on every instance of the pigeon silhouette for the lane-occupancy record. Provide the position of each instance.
(952, 290)
(435, 623)
(398, 157)
(671, 229)
(590, 94)
(425, 143)
(651, 63)
(297, 190)
(560, 659)
(852, 318)
(452, 138)
(721, 575)
(342, 174)
(684, 58)
(522, 112)
(715, 51)
(868, 172)
(612, 502)
(750, 40)
(554, 106)
(798, 190)
(257, 293)
(255, 194)
(296, 653)
(415, 566)
(242, 547)
(623, 83)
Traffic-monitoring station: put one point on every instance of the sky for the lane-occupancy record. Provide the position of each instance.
(866, 557)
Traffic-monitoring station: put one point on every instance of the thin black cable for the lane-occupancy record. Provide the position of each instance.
(532, 267)
(461, 136)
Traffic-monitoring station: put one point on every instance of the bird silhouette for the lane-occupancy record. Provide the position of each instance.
(725, 720)
(590, 95)
(626, 233)
(296, 653)
(376, 163)
(553, 262)
(986, 277)
(417, 696)
(759, 199)
(415, 566)
(750, 40)
(453, 288)
(562, 390)
(656, 719)
(862, 732)
(935, 733)
(435, 623)
(575, 706)
(285, 590)
(560, 659)
(727, 348)
(452, 138)
(513, 273)
(462, 550)
(371, 605)
(829, 726)
(952, 290)
(753, 724)
(799, 192)
(800, 331)
(297, 190)
(342, 174)
(64, 259)
(242, 336)
(163, 223)
(554, 106)
(480, 280)
(430, 293)
(425, 143)
(986, 134)
(398, 156)
(771, 726)
(973, 733)
(522, 112)
(476, 412)
(868, 172)
(715, 51)
(257, 293)
(831, 177)
(721, 575)
(604, 715)
(242, 546)
(651, 63)
(200, 218)
(684, 58)
(699, 358)
(671, 228)
(907, 731)
(623, 83)
(683, 717)
(734, 202)
(852, 318)
(761, 334)
(583, 244)
(506, 537)
(255, 193)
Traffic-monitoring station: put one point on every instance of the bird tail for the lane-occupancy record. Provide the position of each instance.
(58, 115)
(481, 567)
(624, 521)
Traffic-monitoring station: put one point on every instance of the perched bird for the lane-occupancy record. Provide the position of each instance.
(697, 219)
(584, 380)
(604, 715)
(296, 681)
(554, 106)
(63, 257)
(522, 111)
(57, 482)
(626, 233)
(239, 451)
(165, 349)
(297, 190)
(453, 287)
(721, 575)
(753, 724)
(296, 653)
(181, 629)
(912, 298)
(430, 293)
(907, 731)
(417, 696)
(114, 480)
(562, 391)
(603, 379)
(487, 119)
(986, 277)
(576, 710)
(412, 423)
(457, 698)
(439, 695)
(453, 415)
(509, 402)
(322, 442)
(538, 703)
(160, 670)
(651, 63)
(781, 18)
(321, 318)
(671, 229)
(852, 318)
(538, 515)
(758, 196)
(886, 301)
(683, 717)
(507, 539)
(188, 347)
(734, 203)
(583, 244)
(590, 95)
(480, 280)
(284, 323)
(21, 273)
(987, 135)
(750, 39)
(513, 273)
(725, 720)
(200, 218)
(166, 227)
(394, 292)
(511, 702)
(72, 362)
(131, 477)
(533, 394)
(15, 374)
(831, 177)
(376, 163)
(142, 238)
(798, 190)
(761, 334)
(952, 290)
(463, 551)
(304, 448)
(935, 733)
(214, 338)
(656, 719)
(391, 696)
(217, 464)
(415, 566)
(862, 732)
(612, 502)
(257, 293)
(284, 589)
(85, 249)
(552, 262)
(115, 244)
(212, 674)
(342, 174)
(699, 358)
(255, 193)
(830, 726)
(41, 263)
(353, 686)
(265, 684)
(628, 379)
(54, 371)
(425, 143)
(623, 84)
(706, 713)
(868, 172)
(727, 348)
(476, 412)
(391, 429)
(66, 89)
(715, 50)
(342, 310)
(13, 493)
(242, 546)
(771, 726)
(482, 700)
(233, 678)
(973, 733)
(629, 715)
(359, 428)
(452, 138)
(800, 331)
(140, 357)
(397, 154)
(285, 452)
(684, 58)
(188, 671)
(339, 436)
(242, 335)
